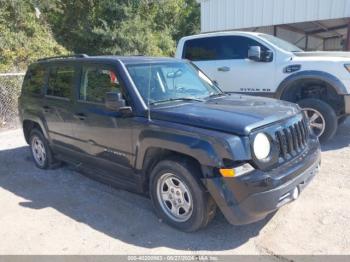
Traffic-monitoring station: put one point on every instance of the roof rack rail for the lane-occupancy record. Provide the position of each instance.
(64, 56)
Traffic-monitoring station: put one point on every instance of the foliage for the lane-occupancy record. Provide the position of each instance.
(23, 38)
(123, 27)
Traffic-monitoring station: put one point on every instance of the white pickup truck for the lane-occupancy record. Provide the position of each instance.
(264, 65)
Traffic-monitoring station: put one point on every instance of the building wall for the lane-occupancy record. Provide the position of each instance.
(217, 15)
(298, 39)
(334, 44)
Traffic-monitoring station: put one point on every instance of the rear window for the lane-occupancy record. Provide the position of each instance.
(61, 81)
(34, 80)
(219, 48)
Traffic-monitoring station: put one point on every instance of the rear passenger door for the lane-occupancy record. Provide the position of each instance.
(225, 60)
(58, 104)
(102, 135)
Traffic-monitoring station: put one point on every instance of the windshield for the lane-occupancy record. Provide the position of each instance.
(171, 81)
(281, 43)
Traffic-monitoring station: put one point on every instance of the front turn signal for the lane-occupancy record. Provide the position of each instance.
(227, 172)
(236, 171)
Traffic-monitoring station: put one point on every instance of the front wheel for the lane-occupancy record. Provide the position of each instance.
(322, 118)
(178, 197)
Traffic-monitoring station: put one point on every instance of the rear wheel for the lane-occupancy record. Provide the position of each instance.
(40, 150)
(322, 118)
(178, 197)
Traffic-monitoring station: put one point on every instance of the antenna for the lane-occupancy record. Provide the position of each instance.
(149, 92)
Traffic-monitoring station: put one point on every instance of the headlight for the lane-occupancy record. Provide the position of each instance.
(347, 67)
(261, 146)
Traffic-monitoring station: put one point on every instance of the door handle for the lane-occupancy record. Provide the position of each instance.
(224, 69)
(80, 116)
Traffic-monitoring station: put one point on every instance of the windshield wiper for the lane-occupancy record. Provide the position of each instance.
(177, 99)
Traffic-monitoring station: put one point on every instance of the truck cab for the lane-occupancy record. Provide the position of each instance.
(264, 65)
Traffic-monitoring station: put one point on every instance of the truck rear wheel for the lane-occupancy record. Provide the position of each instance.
(178, 197)
(322, 118)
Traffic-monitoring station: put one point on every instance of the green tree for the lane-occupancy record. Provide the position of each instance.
(24, 37)
(122, 27)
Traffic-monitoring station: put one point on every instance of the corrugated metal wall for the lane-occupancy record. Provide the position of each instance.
(217, 15)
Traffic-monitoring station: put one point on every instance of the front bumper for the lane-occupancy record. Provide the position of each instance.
(251, 197)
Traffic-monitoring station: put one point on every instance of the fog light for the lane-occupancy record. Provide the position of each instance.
(295, 193)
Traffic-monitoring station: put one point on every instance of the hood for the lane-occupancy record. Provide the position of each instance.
(233, 113)
(323, 54)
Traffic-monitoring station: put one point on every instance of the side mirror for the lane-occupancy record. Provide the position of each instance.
(115, 101)
(254, 53)
(267, 56)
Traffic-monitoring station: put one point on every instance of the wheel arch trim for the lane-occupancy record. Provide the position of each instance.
(333, 81)
(201, 150)
(37, 120)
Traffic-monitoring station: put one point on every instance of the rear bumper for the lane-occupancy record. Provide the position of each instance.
(250, 198)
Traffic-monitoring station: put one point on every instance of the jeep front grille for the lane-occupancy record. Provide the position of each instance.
(292, 139)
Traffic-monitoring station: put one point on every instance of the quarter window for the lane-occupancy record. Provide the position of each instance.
(34, 80)
(61, 81)
(96, 82)
(219, 48)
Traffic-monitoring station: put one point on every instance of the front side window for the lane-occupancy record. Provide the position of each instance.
(96, 82)
(236, 47)
(170, 81)
(219, 48)
(61, 81)
(34, 80)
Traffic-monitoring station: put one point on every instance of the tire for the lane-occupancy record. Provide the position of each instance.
(342, 119)
(326, 115)
(40, 147)
(182, 176)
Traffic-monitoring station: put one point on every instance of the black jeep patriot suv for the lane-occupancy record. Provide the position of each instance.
(159, 126)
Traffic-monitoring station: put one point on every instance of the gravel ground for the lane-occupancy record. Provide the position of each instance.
(63, 212)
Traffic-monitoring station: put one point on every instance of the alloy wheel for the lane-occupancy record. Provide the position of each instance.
(316, 120)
